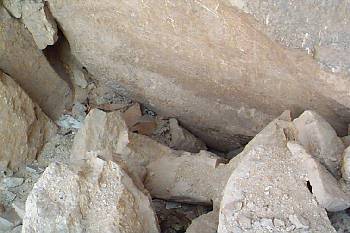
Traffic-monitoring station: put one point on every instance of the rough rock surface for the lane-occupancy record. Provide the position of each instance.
(37, 18)
(21, 59)
(320, 140)
(319, 27)
(206, 223)
(182, 139)
(324, 186)
(24, 128)
(267, 193)
(103, 199)
(223, 81)
(166, 173)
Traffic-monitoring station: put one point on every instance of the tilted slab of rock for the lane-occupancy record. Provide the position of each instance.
(324, 186)
(201, 62)
(166, 173)
(182, 139)
(21, 59)
(267, 192)
(319, 139)
(102, 199)
(24, 128)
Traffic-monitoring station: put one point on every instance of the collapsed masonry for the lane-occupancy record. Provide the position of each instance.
(110, 163)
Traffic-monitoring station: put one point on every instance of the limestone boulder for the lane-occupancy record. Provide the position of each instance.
(320, 140)
(24, 128)
(206, 223)
(101, 199)
(182, 139)
(202, 62)
(166, 173)
(25, 63)
(267, 191)
(324, 186)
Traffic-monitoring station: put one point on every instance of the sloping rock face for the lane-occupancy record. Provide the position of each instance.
(24, 128)
(320, 27)
(320, 140)
(202, 62)
(103, 199)
(267, 191)
(26, 64)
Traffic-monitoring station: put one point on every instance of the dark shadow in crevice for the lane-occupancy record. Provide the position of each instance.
(308, 184)
(56, 55)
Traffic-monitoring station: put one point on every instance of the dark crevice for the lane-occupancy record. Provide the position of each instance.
(55, 54)
(308, 184)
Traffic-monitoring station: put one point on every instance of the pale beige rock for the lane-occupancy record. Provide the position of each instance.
(206, 223)
(346, 141)
(324, 186)
(29, 67)
(345, 167)
(24, 128)
(166, 173)
(39, 21)
(268, 185)
(320, 140)
(101, 199)
(182, 139)
(14, 7)
(202, 62)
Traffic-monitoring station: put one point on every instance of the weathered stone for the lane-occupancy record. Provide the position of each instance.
(166, 173)
(100, 199)
(10, 182)
(320, 140)
(299, 24)
(269, 182)
(182, 139)
(345, 167)
(132, 115)
(29, 67)
(224, 82)
(105, 134)
(14, 7)
(346, 140)
(24, 128)
(324, 186)
(39, 21)
(206, 223)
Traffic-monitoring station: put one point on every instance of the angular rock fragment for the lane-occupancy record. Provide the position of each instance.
(320, 140)
(14, 7)
(24, 128)
(181, 139)
(29, 67)
(166, 173)
(37, 18)
(324, 186)
(224, 81)
(267, 185)
(346, 141)
(206, 223)
(101, 199)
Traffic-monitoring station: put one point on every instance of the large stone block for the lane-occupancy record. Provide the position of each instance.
(202, 62)
(24, 128)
